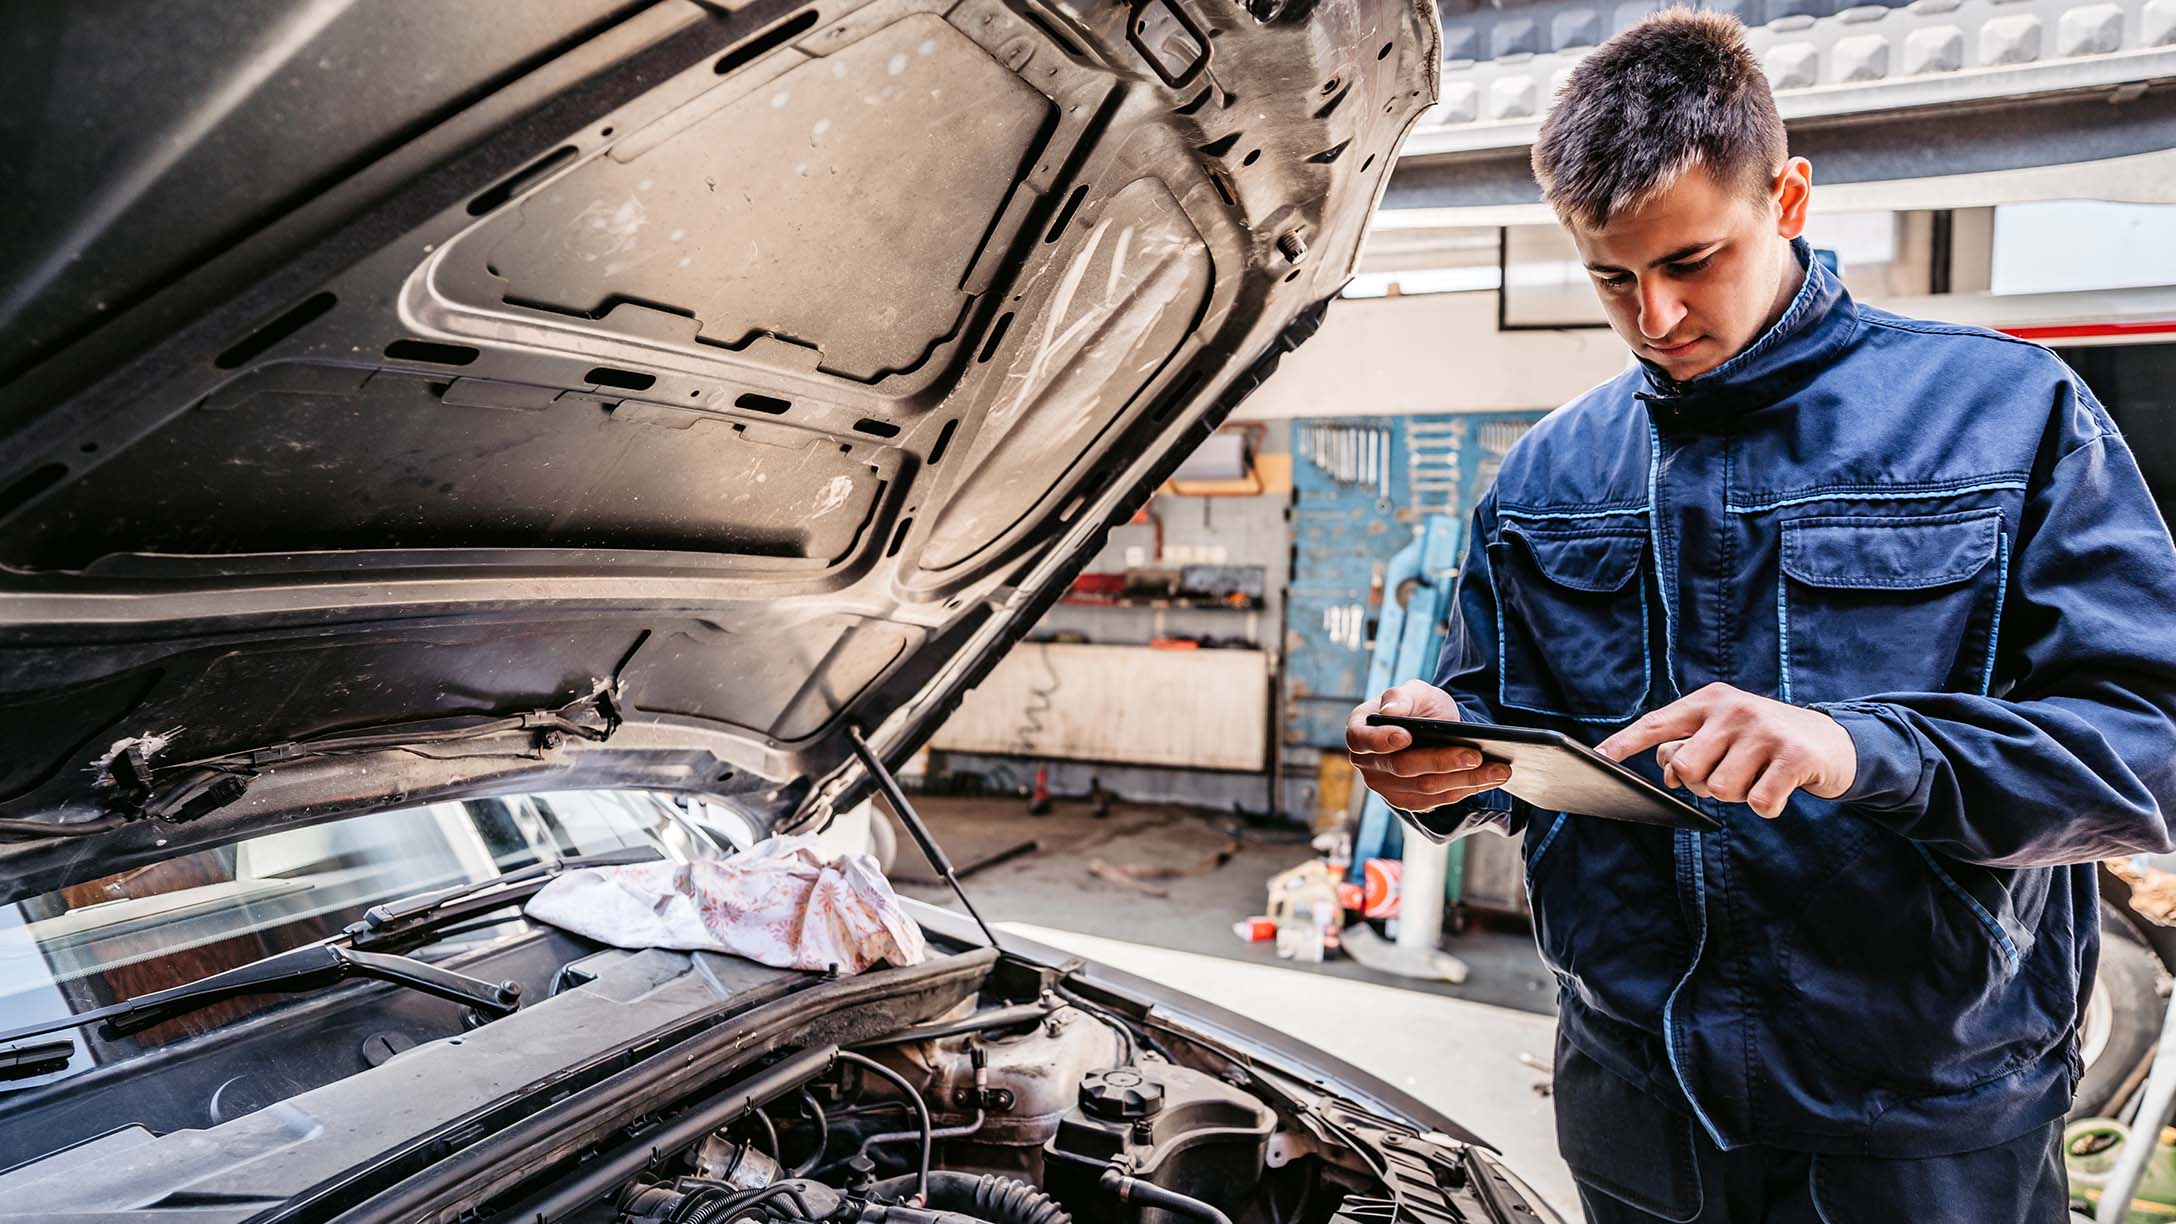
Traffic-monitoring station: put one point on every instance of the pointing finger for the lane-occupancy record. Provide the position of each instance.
(1678, 720)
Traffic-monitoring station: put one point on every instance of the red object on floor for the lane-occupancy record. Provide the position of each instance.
(1039, 801)
(1382, 876)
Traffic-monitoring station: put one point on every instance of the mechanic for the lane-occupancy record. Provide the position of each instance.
(1890, 599)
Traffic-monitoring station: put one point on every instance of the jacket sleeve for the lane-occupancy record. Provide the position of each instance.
(2073, 756)
(1467, 671)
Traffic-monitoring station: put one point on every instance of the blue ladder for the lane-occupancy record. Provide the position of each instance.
(1408, 638)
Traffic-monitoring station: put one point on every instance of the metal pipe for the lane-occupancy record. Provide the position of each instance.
(2157, 1099)
(1423, 874)
(941, 1132)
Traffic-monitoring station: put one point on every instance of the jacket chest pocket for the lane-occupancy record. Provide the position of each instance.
(1571, 621)
(1888, 605)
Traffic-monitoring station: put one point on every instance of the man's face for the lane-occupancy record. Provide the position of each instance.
(1693, 275)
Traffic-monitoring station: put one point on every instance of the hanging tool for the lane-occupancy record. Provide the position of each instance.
(1433, 465)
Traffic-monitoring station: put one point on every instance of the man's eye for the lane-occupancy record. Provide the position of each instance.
(1618, 281)
(1690, 269)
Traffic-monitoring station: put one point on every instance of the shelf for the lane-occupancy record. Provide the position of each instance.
(1191, 605)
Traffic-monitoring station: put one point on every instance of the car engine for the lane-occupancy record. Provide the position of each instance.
(975, 1088)
(1019, 1114)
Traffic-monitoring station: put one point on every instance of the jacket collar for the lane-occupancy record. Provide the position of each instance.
(1820, 320)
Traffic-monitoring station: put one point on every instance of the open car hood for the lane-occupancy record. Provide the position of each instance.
(409, 400)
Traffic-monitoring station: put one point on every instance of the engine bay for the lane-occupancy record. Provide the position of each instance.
(1047, 1112)
(646, 1087)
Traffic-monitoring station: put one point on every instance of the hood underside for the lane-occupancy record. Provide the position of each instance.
(403, 400)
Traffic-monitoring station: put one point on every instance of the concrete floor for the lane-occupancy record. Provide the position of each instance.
(1457, 1047)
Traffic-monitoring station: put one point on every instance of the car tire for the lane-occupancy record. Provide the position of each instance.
(2122, 1018)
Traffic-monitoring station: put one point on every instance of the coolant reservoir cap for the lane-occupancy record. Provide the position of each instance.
(1120, 1094)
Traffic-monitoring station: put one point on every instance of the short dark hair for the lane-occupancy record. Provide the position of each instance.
(1679, 89)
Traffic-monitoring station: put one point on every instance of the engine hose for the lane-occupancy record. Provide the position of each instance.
(1000, 1200)
(823, 1133)
(705, 1204)
(1132, 1189)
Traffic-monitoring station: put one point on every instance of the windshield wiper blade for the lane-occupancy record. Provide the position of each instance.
(306, 968)
(22, 1062)
(330, 962)
(427, 911)
(309, 968)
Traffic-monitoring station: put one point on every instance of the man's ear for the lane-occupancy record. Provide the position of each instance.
(1793, 192)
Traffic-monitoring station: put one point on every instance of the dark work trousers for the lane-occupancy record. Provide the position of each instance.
(1638, 1162)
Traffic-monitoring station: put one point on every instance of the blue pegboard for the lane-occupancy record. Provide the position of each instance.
(1350, 517)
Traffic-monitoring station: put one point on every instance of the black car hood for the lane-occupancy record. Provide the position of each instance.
(408, 400)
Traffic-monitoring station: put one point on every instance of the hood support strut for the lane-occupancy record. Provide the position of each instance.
(909, 817)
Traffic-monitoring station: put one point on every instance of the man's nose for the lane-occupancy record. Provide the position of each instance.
(1660, 310)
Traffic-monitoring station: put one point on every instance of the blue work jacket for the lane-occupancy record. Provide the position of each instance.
(1933, 533)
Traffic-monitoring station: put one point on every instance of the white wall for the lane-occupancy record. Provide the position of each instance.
(1437, 352)
(1185, 709)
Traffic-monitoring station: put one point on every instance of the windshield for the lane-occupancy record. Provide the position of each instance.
(111, 939)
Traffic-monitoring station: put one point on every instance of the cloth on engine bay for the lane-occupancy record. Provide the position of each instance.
(784, 902)
(1936, 535)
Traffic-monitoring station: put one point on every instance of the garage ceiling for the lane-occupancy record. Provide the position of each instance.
(2017, 85)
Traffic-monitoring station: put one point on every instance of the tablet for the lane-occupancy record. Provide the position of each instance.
(1557, 773)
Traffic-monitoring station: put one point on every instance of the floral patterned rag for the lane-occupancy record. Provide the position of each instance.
(783, 903)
